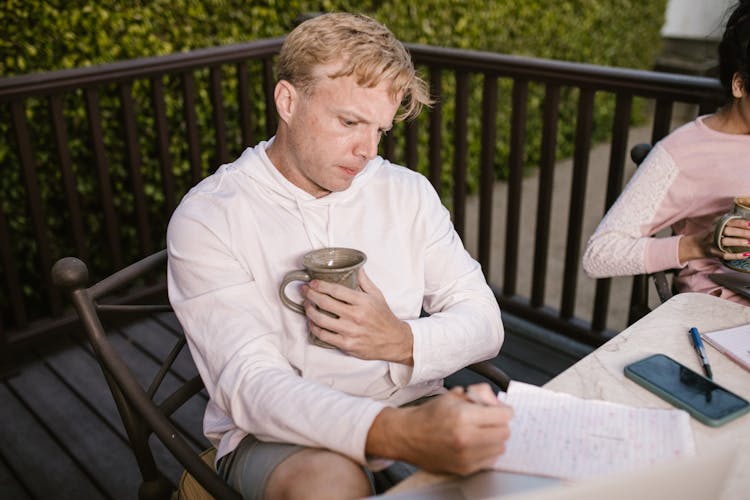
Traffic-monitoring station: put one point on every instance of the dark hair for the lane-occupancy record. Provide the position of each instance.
(734, 48)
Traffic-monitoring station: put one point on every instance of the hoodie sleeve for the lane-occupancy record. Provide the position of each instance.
(464, 325)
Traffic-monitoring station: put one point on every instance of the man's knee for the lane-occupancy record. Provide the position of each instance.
(315, 473)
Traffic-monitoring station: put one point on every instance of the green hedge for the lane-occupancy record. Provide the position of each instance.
(618, 33)
(40, 36)
(43, 35)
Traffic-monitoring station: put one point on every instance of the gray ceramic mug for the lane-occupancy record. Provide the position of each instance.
(335, 265)
(740, 210)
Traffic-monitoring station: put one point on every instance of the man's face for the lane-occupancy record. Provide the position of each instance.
(333, 131)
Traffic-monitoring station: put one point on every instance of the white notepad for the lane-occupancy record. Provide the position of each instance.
(559, 435)
(733, 342)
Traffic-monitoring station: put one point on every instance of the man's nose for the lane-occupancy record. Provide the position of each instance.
(367, 144)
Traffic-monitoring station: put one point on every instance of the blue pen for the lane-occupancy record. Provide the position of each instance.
(698, 344)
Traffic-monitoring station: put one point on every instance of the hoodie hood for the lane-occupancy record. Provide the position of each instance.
(315, 213)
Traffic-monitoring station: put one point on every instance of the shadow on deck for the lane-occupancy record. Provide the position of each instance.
(62, 437)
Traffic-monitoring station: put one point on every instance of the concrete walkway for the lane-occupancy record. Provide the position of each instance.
(594, 210)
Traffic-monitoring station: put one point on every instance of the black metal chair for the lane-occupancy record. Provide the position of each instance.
(639, 306)
(141, 413)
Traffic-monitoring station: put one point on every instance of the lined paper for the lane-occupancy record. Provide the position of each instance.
(560, 435)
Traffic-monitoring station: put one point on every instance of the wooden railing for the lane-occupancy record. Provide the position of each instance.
(162, 141)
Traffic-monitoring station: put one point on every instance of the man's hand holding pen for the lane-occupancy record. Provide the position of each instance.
(460, 432)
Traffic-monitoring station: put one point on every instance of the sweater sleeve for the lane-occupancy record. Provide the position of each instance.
(622, 244)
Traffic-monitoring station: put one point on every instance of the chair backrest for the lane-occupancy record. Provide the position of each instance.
(145, 409)
(639, 304)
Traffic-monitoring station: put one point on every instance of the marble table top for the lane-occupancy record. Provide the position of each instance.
(599, 375)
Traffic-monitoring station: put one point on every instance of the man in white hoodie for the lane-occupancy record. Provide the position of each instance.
(291, 419)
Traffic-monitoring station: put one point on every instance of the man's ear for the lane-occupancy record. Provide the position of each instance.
(738, 86)
(285, 96)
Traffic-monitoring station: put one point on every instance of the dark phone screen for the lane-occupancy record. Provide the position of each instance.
(687, 386)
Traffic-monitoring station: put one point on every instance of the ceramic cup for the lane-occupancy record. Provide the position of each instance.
(740, 210)
(335, 265)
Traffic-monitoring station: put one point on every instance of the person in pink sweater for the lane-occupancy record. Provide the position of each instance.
(688, 180)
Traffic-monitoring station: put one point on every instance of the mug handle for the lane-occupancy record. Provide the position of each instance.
(719, 230)
(298, 275)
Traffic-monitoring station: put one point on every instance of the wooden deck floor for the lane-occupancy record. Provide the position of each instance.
(61, 436)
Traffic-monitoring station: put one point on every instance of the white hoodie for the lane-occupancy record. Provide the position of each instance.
(230, 242)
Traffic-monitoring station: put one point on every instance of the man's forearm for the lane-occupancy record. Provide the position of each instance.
(384, 437)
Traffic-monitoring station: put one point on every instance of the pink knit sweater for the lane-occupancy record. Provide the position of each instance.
(687, 181)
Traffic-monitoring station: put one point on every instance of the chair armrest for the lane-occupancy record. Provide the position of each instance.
(492, 373)
(663, 289)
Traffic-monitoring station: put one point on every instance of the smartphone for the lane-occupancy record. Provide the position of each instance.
(701, 397)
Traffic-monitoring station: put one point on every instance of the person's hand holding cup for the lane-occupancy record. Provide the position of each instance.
(335, 265)
(732, 232)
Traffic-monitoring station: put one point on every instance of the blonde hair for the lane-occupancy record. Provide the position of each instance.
(367, 50)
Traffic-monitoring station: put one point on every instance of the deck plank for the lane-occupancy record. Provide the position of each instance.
(87, 381)
(537, 356)
(522, 371)
(10, 487)
(85, 377)
(79, 429)
(44, 468)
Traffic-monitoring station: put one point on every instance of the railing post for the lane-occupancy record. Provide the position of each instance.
(544, 202)
(436, 130)
(515, 185)
(487, 169)
(460, 151)
(577, 201)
